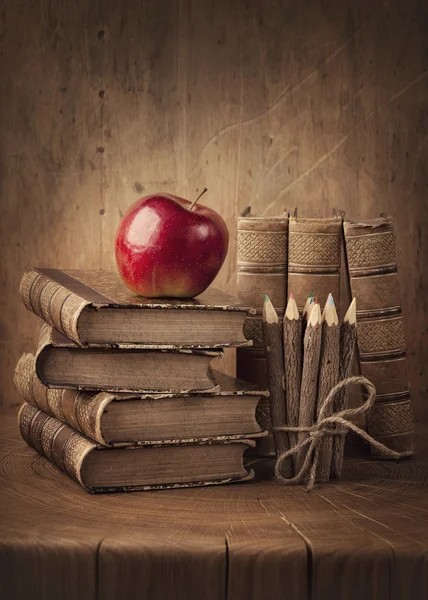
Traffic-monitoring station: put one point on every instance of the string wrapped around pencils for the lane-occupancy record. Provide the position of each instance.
(308, 402)
(337, 424)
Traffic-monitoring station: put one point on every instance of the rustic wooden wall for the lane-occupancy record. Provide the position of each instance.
(314, 104)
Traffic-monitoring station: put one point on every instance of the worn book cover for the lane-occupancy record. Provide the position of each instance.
(123, 419)
(262, 259)
(95, 307)
(372, 267)
(155, 466)
(262, 269)
(61, 363)
(314, 258)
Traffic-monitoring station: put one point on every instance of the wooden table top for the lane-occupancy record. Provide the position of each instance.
(365, 536)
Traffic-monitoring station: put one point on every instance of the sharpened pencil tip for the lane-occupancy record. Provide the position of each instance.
(351, 313)
(329, 314)
(269, 313)
(315, 317)
(291, 312)
(292, 296)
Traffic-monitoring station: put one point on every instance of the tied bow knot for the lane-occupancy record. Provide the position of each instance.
(335, 424)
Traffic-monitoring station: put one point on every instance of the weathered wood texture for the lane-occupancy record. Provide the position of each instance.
(308, 388)
(292, 333)
(364, 536)
(347, 339)
(272, 341)
(266, 103)
(327, 379)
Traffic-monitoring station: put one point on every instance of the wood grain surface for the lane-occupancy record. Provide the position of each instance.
(272, 104)
(363, 536)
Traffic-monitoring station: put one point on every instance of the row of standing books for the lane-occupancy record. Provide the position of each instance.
(304, 255)
(121, 392)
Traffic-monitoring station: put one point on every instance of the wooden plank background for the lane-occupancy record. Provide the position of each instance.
(314, 104)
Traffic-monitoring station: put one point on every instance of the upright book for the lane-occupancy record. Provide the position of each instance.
(118, 419)
(262, 259)
(95, 307)
(314, 257)
(131, 468)
(372, 266)
(61, 363)
(262, 269)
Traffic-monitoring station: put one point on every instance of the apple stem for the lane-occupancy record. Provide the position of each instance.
(200, 196)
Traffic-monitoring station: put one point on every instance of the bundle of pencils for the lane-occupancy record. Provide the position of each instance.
(307, 356)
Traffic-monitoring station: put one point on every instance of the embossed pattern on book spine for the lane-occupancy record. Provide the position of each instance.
(53, 303)
(262, 269)
(314, 257)
(372, 267)
(262, 260)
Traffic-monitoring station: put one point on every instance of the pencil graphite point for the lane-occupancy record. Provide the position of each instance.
(291, 312)
(315, 317)
(327, 302)
(330, 313)
(269, 313)
(308, 305)
(351, 313)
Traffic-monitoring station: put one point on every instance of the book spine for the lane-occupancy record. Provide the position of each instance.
(314, 257)
(54, 440)
(262, 260)
(262, 269)
(80, 410)
(372, 268)
(52, 302)
(251, 366)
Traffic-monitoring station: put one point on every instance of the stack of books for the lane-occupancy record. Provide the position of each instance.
(121, 393)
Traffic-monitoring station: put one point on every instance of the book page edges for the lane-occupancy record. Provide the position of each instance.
(172, 486)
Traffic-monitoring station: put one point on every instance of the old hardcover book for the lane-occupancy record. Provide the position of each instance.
(372, 267)
(251, 366)
(262, 260)
(155, 466)
(314, 257)
(117, 419)
(262, 269)
(61, 363)
(251, 361)
(95, 307)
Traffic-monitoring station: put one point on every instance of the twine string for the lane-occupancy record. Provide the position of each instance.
(335, 424)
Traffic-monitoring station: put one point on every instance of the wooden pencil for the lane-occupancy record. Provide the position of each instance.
(308, 305)
(306, 313)
(292, 331)
(348, 336)
(327, 379)
(308, 388)
(272, 340)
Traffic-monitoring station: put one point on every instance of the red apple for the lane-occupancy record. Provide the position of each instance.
(164, 249)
